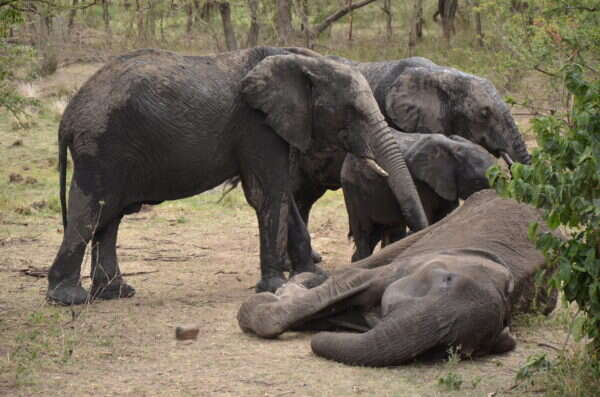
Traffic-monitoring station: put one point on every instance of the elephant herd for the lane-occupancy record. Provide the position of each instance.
(406, 140)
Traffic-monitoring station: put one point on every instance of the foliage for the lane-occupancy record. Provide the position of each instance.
(12, 57)
(450, 381)
(564, 180)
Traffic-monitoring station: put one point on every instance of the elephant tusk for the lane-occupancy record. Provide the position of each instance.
(506, 157)
(376, 167)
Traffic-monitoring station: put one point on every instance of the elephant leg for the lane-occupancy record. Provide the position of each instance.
(299, 247)
(305, 197)
(107, 282)
(86, 214)
(265, 180)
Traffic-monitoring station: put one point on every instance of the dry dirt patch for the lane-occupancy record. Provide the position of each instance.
(196, 265)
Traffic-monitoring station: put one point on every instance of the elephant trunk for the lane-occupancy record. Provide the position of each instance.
(389, 155)
(518, 150)
(397, 339)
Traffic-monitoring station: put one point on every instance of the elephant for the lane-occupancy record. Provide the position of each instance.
(445, 169)
(417, 95)
(453, 285)
(152, 125)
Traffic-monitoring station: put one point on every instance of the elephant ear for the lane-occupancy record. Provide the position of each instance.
(279, 87)
(416, 102)
(430, 161)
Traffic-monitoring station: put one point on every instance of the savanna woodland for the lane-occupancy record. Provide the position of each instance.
(194, 261)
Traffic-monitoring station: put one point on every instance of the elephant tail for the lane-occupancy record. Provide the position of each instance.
(62, 168)
(228, 186)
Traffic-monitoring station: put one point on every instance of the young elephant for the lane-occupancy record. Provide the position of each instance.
(453, 284)
(444, 169)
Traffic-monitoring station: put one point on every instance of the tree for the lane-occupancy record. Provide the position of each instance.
(228, 31)
(284, 21)
(447, 13)
(416, 26)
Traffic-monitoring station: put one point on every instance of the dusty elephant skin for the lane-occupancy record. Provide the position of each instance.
(152, 126)
(454, 284)
(445, 169)
(416, 95)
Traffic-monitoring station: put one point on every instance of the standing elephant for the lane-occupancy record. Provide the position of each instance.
(452, 285)
(416, 95)
(153, 126)
(444, 169)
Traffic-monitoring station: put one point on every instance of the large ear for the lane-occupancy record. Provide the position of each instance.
(430, 160)
(279, 87)
(416, 101)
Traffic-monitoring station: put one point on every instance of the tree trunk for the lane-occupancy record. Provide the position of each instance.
(387, 9)
(140, 20)
(225, 11)
(72, 14)
(284, 21)
(254, 30)
(416, 26)
(305, 23)
(447, 12)
(189, 10)
(478, 26)
(106, 16)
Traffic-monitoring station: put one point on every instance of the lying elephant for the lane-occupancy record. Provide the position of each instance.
(152, 125)
(416, 95)
(444, 169)
(454, 284)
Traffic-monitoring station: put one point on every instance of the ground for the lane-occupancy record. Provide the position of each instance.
(192, 262)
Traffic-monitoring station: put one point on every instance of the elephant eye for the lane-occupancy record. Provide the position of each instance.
(485, 112)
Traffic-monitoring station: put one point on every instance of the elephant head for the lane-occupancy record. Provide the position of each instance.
(312, 102)
(450, 300)
(433, 99)
(452, 166)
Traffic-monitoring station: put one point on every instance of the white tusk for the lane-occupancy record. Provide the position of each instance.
(506, 157)
(376, 167)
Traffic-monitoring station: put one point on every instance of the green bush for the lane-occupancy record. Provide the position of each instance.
(564, 181)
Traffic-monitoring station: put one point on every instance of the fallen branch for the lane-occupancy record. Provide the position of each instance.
(43, 272)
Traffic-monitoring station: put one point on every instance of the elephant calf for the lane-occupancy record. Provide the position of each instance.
(453, 284)
(444, 169)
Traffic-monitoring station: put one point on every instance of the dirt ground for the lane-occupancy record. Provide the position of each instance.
(192, 262)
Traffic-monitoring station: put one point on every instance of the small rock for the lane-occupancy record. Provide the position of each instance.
(30, 180)
(189, 332)
(25, 168)
(15, 178)
(16, 143)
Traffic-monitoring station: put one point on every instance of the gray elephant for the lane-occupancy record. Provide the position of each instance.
(153, 126)
(416, 95)
(453, 285)
(445, 169)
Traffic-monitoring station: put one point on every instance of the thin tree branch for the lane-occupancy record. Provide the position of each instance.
(320, 28)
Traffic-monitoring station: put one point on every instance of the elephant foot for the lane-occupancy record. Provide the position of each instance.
(270, 284)
(65, 294)
(115, 290)
(249, 313)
